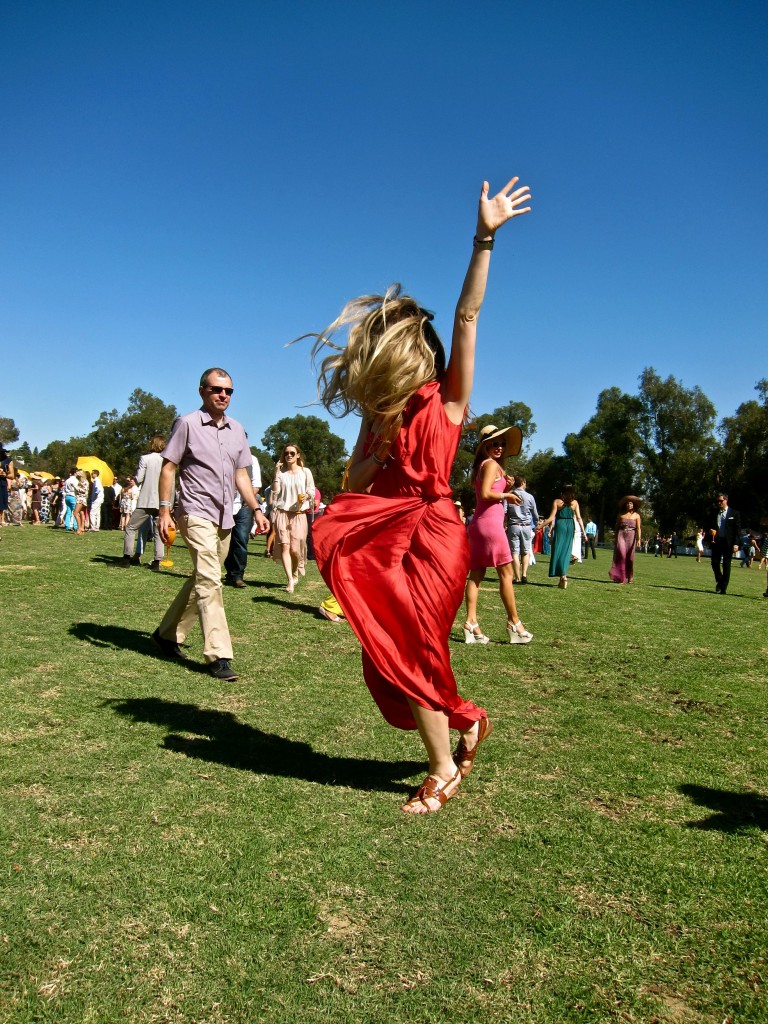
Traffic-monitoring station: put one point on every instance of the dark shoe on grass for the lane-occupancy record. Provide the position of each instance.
(168, 647)
(135, 560)
(154, 565)
(221, 669)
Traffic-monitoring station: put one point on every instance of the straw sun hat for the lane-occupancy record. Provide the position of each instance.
(630, 497)
(512, 437)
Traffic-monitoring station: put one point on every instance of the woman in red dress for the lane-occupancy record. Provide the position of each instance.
(394, 551)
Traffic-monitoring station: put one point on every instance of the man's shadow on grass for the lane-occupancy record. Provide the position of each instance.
(733, 811)
(218, 737)
(124, 639)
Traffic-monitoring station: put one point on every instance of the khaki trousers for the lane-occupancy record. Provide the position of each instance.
(201, 596)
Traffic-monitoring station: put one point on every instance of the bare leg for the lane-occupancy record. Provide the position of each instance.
(436, 737)
(295, 556)
(507, 591)
(526, 563)
(476, 577)
(285, 558)
(516, 568)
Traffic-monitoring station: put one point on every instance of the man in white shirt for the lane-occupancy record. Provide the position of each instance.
(237, 558)
(590, 531)
(97, 500)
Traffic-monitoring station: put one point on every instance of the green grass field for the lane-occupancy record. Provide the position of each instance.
(177, 849)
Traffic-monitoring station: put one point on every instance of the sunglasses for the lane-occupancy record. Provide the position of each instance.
(216, 389)
(289, 453)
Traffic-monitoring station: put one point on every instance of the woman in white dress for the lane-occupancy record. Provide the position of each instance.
(292, 497)
(699, 544)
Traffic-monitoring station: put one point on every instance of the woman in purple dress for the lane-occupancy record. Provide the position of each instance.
(488, 544)
(628, 537)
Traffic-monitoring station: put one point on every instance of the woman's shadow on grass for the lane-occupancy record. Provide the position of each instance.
(220, 738)
(733, 811)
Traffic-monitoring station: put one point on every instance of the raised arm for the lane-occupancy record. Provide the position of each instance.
(491, 215)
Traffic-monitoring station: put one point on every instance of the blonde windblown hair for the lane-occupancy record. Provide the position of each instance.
(392, 350)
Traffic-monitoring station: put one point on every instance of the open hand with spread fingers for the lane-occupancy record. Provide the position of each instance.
(505, 205)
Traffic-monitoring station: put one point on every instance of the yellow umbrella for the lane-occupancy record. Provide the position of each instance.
(42, 475)
(90, 462)
(22, 472)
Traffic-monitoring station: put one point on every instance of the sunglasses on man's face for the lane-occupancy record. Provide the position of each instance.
(216, 389)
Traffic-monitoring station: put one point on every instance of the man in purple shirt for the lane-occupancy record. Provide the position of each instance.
(212, 455)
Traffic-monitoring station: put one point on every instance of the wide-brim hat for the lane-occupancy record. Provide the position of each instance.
(630, 497)
(512, 437)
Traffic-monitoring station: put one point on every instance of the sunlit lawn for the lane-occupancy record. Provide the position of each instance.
(176, 849)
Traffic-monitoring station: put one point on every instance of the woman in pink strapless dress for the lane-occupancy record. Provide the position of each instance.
(488, 544)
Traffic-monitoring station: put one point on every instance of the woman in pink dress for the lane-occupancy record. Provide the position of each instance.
(488, 544)
(628, 537)
(394, 552)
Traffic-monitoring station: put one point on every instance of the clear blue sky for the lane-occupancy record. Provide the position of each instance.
(195, 183)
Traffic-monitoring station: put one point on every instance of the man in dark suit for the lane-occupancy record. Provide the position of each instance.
(724, 532)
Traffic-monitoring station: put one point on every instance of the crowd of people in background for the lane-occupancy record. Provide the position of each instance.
(80, 502)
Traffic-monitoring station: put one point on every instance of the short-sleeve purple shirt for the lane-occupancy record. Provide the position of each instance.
(208, 456)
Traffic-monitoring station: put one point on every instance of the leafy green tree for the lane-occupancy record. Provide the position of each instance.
(545, 474)
(602, 458)
(9, 432)
(513, 414)
(117, 438)
(677, 444)
(324, 452)
(120, 438)
(742, 460)
(266, 465)
(22, 456)
(59, 457)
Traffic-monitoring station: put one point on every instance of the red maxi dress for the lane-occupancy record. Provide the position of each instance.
(396, 560)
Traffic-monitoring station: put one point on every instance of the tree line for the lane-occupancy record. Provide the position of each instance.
(662, 443)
